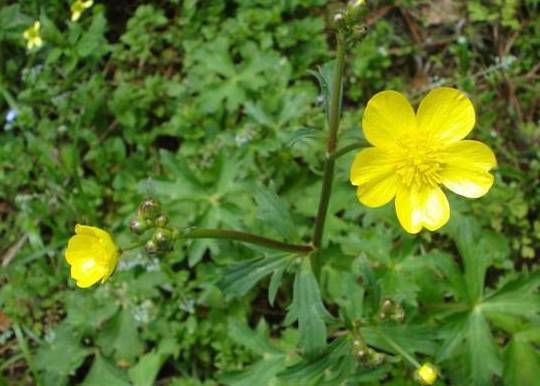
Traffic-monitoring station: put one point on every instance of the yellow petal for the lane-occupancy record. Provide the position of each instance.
(387, 119)
(88, 272)
(421, 207)
(38, 42)
(75, 15)
(81, 247)
(466, 168)
(446, 115)
(374, 174)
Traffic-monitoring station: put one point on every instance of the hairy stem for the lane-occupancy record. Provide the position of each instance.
(333, 122)
(246, 238)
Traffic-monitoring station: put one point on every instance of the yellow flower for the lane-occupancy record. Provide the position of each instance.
(426, 374)
(78, 7)
(92, 254)
(414, 154)
(32, 36)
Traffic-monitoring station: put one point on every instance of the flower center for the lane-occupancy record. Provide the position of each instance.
(418, 164)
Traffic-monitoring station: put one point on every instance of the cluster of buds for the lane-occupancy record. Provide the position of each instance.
(366, 355)
(349, 19)
(391, 310)
(150, 217)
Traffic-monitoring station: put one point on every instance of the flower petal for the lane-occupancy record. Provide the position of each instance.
(88, 272)
(374, 174)
(421, 207)
(388, 117)
(466, 170)
(81, 247)
(446, 115)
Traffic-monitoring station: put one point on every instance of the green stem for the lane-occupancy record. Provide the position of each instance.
(346, 149)
(131, 247)
(333, 122)
(400, 350)
(246, 238)
(26, 352)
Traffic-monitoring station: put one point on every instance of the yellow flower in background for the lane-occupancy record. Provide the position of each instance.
(32, 36)
(426, 374)
(415, 153)
(92, 254)
(78, 7)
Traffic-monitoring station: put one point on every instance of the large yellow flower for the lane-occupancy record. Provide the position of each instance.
(414, 154)
(92, 254)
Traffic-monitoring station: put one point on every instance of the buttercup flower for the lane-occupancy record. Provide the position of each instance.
(426, 374)
(414, 154)
(32, 36)
(92, 254)
(78, 7)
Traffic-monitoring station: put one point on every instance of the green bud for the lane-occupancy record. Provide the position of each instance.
(150, 247)
(162, 237)
(162, 220)
(137, 226)
(149, 209)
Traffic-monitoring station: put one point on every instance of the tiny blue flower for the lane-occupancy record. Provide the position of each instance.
(11, 115)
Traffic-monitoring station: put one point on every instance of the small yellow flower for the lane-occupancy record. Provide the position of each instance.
(415, 153)
(32, 36)
(92, 254)
(78, 7)
(426, 374)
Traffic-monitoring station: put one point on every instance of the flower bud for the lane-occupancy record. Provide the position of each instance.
(162, 220)
(151, 247)
(426, 374)
(162, 238)
(137, 226)
(149, 209)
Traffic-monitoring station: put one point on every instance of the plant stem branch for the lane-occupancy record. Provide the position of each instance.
(246, 238)
(346, 149)
(400, 350)
(333, 122)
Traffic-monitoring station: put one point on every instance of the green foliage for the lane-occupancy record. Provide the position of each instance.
(214, 108)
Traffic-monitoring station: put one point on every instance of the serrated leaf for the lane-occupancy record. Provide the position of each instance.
(307, 307)
(239, 278)
(63, 354)
(260, 373)
(310, 371)
(484, 361)
(146, 370)
(103, 373)
(274, 212)
(121, 338)
(275, 283)
(521, 364)
(242, 334)
(518, 297)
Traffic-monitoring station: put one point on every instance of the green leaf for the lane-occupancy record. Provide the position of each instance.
(262, 372)
(307, 307)
(240, 277)
(121, 338)
(256, 343)
(93, 41)
(103, 373)
(146, 370)
(483, 353)
(273, 211)
(275, 283)
(63, 354)
(521, 364)
(518, 297)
